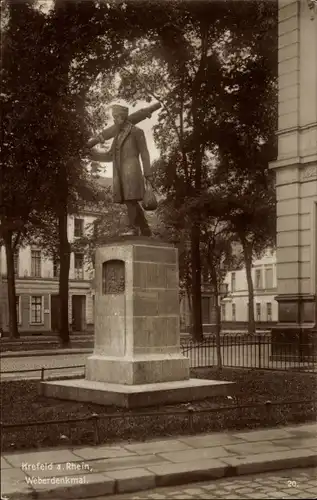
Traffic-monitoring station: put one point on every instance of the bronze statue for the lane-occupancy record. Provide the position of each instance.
(128, 180)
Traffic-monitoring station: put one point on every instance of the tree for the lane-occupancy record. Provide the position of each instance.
(24, 181)
(50, 62)
(247, 207)
(219, 255)
(197, 68)
(75, 42)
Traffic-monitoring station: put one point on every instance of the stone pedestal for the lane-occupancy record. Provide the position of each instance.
(137, 359)
(296, 178)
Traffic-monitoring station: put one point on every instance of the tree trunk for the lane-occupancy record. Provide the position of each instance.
(64, 255)
(190, 309)
(13, 317)
(248, 267)
(218, 317)
(197, 331)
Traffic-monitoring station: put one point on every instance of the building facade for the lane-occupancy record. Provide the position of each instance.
(296, 172)
(234, 306)
(37, 281)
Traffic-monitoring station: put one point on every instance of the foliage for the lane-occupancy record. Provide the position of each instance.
(204, 67)
(202, 60)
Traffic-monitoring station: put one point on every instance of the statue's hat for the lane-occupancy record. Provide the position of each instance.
(117, 108)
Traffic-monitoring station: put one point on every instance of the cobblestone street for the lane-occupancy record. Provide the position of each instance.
(293, 483)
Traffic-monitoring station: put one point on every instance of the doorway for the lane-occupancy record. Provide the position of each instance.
(78, 313)
(55, 313)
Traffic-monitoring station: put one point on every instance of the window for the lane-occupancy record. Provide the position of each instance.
(205, 310)
(56, 267)
(16, 262)
(223, 312)
(36, 263)
(79, 266)
(269, 311)
(233, 282)
(36, 310)
(258, 312)
(269, 277)
(78, 228)
(233, 312)
(258, 280)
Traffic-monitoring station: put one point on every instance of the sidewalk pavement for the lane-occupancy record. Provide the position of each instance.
(81, 472)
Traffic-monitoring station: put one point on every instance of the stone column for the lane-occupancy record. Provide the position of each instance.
(296, 172)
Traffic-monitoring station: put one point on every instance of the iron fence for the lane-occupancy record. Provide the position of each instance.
(190, 419)
(258, 351)
(43, 369)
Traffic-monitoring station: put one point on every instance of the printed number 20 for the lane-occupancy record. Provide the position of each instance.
(292, 484)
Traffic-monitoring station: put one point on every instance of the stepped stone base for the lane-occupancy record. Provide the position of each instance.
(138, 370)
(135, 396)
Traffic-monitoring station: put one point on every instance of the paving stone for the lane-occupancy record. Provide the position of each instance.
(65, 469)
(13, 481)
(187, 471)
(154, 447)
(192, 491)
(312, 484)
(211, 486)
(199, 454)
(14, 492)
(298, 442)
(264, 435)
(183, 496)
(156, 496)
(16, 476)
(132, 479)
(250, 449)
(312, 488)
(254, 495)
(244, 490)
(97, 484)
(271, 461)
(40, 457)
(101, 452)
(278, 494)
(5, 464)
(209, 440)
(131, 462)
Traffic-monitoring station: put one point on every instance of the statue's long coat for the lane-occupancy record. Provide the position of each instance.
(125, 152)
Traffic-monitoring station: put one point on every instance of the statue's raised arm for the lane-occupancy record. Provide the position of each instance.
(134, 118)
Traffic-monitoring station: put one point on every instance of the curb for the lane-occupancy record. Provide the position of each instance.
(46, 352)
(155, 476)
